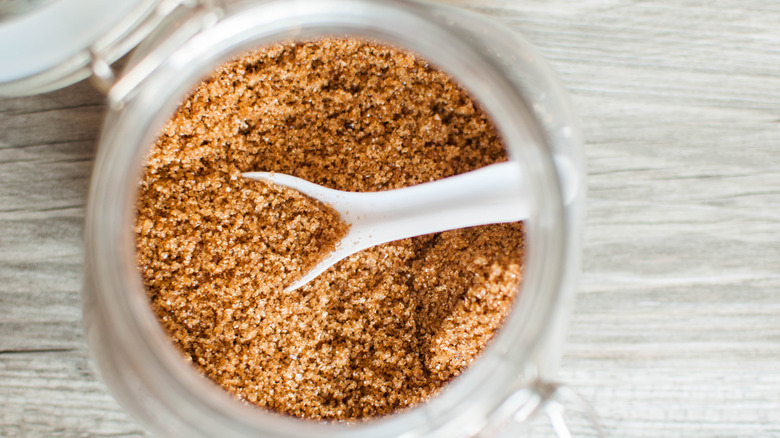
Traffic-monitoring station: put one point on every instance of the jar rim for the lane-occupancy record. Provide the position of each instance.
(127, 135)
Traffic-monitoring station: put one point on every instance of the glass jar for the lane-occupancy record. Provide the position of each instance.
(511, 379)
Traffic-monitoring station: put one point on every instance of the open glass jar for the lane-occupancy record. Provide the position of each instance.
(511, 379)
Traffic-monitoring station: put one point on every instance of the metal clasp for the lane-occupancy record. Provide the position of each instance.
(103, 76)
(557, 401)
(202, 15)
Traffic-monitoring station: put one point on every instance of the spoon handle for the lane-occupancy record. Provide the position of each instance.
(492, 194)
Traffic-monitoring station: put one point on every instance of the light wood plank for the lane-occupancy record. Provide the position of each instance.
(676, 330)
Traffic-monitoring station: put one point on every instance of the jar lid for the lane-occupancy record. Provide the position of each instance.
(57, 42)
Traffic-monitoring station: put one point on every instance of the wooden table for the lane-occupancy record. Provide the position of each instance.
(676, 330)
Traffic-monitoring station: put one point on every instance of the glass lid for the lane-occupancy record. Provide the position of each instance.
(50, 44)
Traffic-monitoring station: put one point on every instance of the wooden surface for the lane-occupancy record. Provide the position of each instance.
(676, 331)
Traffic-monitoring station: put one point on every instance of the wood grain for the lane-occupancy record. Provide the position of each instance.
(676, 331)
(677, 327)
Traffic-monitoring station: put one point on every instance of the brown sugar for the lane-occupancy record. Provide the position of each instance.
(382, 330)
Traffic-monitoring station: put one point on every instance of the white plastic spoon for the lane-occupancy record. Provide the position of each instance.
(490, 195)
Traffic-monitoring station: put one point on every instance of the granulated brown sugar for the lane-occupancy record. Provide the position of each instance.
(384, 329)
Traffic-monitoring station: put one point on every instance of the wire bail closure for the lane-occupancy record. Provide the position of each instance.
(204, 14)
(555, 400)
